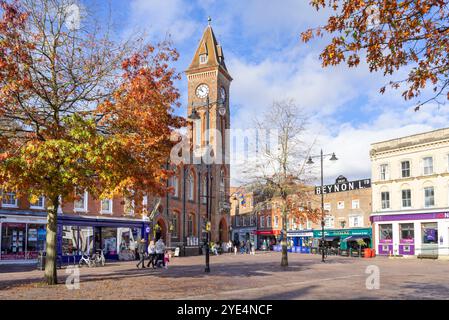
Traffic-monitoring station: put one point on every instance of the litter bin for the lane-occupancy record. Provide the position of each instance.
(373, 253)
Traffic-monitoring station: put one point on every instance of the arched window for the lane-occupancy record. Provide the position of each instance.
(175, 185)
(174, 227)
(190, 187)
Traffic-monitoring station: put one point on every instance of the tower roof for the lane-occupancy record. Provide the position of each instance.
(210, 47)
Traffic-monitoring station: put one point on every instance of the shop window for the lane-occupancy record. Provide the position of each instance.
(70, 240)
(407, 231)
(429, 233)
(428, 165)
(80, 203)
(429, 197)
(385, 198)
(9, 199)
(106, 206)
(109, 240)
(406, 198)
(38, 204)
(86, 240)
(13, 241)
(386, 232)
(405, 169)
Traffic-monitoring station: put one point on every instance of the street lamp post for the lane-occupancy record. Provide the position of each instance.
(194, 116)
(310, 161)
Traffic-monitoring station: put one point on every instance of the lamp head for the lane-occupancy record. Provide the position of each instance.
(194, 115)
(310, 161)
(333, 158)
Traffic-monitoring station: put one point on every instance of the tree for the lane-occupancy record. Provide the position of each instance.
(412, 34)
(79, 111)
(279, 173)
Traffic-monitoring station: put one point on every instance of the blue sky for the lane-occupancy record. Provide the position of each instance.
(260, 39)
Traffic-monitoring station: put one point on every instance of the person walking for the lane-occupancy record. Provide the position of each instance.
(166, 259)
(151, 254)
(160, 249)
(141, 248)
(229, 246)
(235, 248)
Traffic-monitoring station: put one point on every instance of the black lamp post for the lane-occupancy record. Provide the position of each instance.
(310, 161)
(195, 116)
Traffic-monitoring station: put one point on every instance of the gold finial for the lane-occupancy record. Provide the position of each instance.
(209, 20)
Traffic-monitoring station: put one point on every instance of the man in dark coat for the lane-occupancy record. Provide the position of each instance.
(142, 248)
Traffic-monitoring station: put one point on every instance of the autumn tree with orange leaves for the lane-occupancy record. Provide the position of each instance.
(391, 34)
(79, 111)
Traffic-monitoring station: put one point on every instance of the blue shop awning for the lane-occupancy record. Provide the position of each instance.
(355, 238)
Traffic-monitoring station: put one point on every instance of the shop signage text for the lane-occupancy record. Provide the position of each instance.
(416, 216)
(344, 186)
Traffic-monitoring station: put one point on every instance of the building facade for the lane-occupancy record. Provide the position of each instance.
(411, 195)
(180, 218)
(243, 216)
(347, 206)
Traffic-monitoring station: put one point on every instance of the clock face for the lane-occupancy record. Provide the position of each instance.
(222, 94)
(202, 91)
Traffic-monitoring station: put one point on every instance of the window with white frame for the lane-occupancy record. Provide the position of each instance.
(428, 165)
(385, 199)
(268, 221)
(384, 171)
(39, 203)
(406, 198)
(9, 199)
(197, 126)
(309, 224)
(174, 183)
(203, 58)
(329, 221)
(244, 221)
(429, 197)
(80, 203)
(405, 169)
(204, 190)
(106, 206)
(276, 221)
(355, 204)
(327, 207)
(340, 205)
(262, 221)
(355, 221)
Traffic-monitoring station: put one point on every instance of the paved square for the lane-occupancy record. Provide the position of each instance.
(240, 277)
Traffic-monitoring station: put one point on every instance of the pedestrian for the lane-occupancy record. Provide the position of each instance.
(151, 254)
(248, 247)
(253, 249)
(141, 248)
(160, 249)
(235, 248)
(166, 259)
(229, 246)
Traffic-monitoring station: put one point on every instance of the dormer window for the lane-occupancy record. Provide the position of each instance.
(203, 58)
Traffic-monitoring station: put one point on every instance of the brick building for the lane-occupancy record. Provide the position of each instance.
(112, 224)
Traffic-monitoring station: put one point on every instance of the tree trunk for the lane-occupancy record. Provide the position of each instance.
(50, 261)
(284, 259)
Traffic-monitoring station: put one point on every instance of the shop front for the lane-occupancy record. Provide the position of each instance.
(22, 236)
(268, 239)
(343, 240)
(421, 234)
(300, 241)
(118, 238)
(244, 234)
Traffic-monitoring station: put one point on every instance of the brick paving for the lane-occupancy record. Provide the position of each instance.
(239, 277)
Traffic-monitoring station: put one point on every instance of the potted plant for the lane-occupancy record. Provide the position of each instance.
(361, 243)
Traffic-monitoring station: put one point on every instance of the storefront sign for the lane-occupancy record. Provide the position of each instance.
(300, 234)
(147, 230)
(416, 216)
(343, 233)
(343, 185)
(269, 232)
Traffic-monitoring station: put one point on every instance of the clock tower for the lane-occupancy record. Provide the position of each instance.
(208, 89)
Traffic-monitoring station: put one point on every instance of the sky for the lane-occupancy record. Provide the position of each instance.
(268, 62)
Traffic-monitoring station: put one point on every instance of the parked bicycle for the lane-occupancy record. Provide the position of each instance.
(96, 260)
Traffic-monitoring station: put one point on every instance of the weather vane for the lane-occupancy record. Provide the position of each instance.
(209, 20)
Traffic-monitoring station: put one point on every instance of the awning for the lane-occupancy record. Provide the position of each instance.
(354, 238)
(330, 238)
